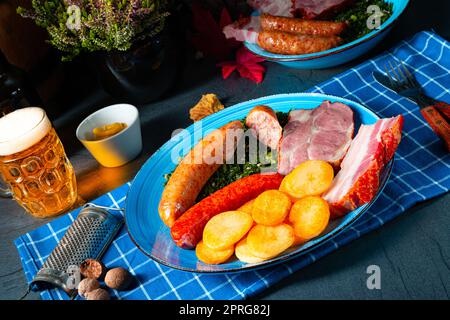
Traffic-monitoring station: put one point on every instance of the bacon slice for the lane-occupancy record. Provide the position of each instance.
(359, 178)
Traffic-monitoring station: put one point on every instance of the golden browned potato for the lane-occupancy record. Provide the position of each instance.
(269, 241)
(212, 256)
(226, 229)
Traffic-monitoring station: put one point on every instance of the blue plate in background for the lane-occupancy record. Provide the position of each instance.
(338, 55)
(152, 236)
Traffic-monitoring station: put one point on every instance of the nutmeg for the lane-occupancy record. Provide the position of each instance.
(87, 285)
(94, 269)
(118, 278)
(98, 294)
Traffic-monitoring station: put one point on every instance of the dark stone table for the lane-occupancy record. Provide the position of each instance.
(413, 251)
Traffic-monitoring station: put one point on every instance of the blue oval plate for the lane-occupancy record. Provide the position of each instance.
(338, 55)
(152, 236)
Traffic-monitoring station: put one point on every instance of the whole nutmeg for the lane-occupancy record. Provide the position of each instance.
(98, 294)
(87, 285)
(118, 278)
(91, 268)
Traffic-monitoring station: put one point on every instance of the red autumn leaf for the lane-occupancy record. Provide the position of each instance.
(244, 56)
(246, 64)
(254, 72)
(228, 70)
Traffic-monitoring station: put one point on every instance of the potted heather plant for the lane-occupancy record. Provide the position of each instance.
(128, 41)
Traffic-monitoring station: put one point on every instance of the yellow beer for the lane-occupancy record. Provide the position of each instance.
(34, 165)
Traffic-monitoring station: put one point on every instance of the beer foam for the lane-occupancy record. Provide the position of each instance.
(21, 129)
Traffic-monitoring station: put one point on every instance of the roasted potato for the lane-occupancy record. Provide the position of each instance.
(247, 207)
(269, 241)
(271, 208)
(310, 178)
(211, 256)
(310, 217)
(244, 254)
(226, 229)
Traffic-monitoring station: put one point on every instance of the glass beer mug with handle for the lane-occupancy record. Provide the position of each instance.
(34, 165)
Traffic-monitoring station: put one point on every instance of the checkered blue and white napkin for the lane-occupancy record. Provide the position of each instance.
(421, 171)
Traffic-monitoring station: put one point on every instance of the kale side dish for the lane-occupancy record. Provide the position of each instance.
(240, 168)
(356, 17)
(229, 173)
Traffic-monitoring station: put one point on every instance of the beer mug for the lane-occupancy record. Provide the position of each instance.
(34, 165)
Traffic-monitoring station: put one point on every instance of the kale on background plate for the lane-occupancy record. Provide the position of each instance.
(357, 16)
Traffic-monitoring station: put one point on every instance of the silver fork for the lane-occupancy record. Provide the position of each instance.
(405, 84)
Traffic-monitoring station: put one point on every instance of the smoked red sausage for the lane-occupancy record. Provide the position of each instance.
(188, 229)
(291, 44)
(301, 26)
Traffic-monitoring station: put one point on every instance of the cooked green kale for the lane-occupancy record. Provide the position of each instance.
(357, 16)
(240, 168)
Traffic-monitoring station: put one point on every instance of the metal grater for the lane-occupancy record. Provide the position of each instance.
(87, 238)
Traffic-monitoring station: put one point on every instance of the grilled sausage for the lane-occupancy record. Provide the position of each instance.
(195, 169)
(292, 44)
(264, 122)
(188, 229)
(301, 26)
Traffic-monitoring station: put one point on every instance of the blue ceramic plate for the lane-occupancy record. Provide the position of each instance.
(150, 234)
(338, 55)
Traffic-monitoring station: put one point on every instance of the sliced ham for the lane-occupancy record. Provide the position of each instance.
(319, 9)
(323, 133)
(280, 8)
(264, 122)
(245, 29)
(359, 178)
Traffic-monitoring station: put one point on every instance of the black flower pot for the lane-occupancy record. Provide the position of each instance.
(143, 73)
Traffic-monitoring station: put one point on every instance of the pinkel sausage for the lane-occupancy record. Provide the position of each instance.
(195, 169)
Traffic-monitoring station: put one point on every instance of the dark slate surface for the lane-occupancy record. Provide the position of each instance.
(412, 251)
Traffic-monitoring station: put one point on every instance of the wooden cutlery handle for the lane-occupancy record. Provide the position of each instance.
(443, 108)
(437, 122)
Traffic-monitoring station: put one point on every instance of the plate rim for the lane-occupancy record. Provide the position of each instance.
(268, 263)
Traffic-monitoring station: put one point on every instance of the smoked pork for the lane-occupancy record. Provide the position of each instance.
(359, 178)
(323, 133)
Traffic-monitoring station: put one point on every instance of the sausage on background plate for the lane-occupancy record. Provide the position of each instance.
(189, 177)
(301, 26)
(292, 44)
(188, 229)
(263, 120)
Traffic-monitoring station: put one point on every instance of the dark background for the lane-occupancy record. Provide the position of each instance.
(413, 251)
